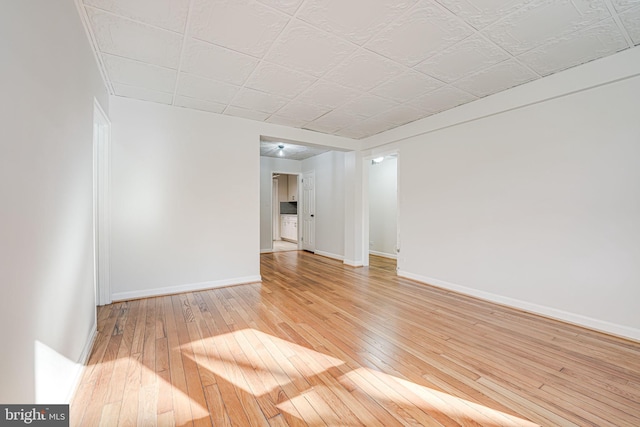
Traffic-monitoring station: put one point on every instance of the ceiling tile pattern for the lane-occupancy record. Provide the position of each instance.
(272, 78)
(247, 114)
(142, 93)
(198, 104)
(205, 89)
(303, 111)
(419, 34)
(351, 68)
(407, 86)
(242, 25)
(140, 74)
(218, 63)
(480, 13)
(259, 101)
(364, 70)
(497, 78)
(309, 50)
(286, 121)
(601, 39)
(354, 20)
(131, 39)
(541, 22)
(442, 99)
(287, 6)
(631, 22)
(463, 59)
(168, 14)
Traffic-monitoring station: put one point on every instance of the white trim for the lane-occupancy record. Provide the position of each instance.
(364, 198)
(275, 209)
(275, 218)
(170, 290)
(329, 255)
(353, 263)
(383, 254)
(565, 316)
(301, 218)
(102, 203)
(82, 363)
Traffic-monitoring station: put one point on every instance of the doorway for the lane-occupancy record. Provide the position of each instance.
(285, 197)
(382, 234)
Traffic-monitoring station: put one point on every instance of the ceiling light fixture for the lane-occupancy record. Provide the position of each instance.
(377, 160)
(281, 150)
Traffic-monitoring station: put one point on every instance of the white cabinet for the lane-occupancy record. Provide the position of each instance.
(289, 227)
(292, 193)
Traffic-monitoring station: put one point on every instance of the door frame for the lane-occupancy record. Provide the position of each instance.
(300, 214)
(273, 208)
(275, 228)
(101, 204)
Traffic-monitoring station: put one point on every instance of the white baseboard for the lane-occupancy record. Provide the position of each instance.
(383, 254)
(565, 316)
(266, 251)
(82, 362)
(353, 263)
(169, 290)
(330, 255)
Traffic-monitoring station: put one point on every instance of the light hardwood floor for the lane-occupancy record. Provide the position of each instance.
(319, 343)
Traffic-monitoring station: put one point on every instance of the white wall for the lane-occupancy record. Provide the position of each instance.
(268, 165)
(179, 223)
(47, 310)
(184, 200)
(537, 207)
(330, 202)
(383, 207)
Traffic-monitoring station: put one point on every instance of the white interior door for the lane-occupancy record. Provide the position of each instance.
(308, 212)
(275, 212)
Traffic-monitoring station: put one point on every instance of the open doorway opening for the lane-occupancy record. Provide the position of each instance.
(285, 165)
(382, 233)
(285, 197)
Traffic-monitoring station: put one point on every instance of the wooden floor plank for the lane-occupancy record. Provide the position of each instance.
(320, 343)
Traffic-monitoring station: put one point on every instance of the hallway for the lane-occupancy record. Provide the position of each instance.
(284, 246)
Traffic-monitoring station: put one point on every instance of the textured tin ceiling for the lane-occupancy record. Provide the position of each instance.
(351, 68)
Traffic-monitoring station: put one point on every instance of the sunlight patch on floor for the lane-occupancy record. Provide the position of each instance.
(221, 357)
(259, 363)
(382, 386)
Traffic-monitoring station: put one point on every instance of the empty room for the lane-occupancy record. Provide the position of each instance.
(320, 212)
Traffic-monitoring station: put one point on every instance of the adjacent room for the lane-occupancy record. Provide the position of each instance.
(314, 212)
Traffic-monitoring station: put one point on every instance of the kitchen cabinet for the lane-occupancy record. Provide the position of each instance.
(289, 227)
(292, 193)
